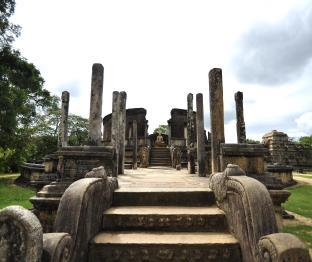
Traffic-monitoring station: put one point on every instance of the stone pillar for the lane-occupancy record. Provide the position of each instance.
(95, 118)
(240, 123)
(63, 129)
(216, 117)
(121, 130)
(135, 144)
(190, 135)
(114, 128)
(200, 130)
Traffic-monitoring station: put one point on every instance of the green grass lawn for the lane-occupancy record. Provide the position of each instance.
(11, 194)
(302, 231)
(300, 200)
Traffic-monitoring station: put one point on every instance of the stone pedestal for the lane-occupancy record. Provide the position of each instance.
(74, 163)
(95, 118)
(200, 135)
(240, 123)
(284, 173)
(216, 117)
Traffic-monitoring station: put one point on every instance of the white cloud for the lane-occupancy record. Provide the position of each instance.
(157, 52)
(304, 123)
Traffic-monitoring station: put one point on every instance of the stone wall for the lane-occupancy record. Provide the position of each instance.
(138, 114)
(285, 152)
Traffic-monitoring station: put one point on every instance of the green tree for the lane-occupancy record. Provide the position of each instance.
(251, 141)
(8, 31)
(305, 140)
(161, 129)
(22, 95)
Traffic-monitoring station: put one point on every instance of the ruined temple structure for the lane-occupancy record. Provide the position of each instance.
(132, 114)
(224, 207)
(286, 152)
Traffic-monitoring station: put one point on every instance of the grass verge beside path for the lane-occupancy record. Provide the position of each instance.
(301, 231)
(300, 200)
(11, 194)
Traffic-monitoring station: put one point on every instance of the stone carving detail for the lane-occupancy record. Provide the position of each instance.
(176, 154)
(176, 254)
(250, 215)
(20, 235)
(283, 247)
(57, 247)
(175, 221)
(144, 156)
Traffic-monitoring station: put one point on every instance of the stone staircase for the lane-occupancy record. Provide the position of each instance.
(164, 224)
(160, 156)
(128, 160)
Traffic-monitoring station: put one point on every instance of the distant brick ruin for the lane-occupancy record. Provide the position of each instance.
(286, 152)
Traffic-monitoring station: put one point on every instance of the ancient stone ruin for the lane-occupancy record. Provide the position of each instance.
(131, 196)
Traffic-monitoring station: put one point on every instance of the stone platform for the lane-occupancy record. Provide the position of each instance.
(161, 214)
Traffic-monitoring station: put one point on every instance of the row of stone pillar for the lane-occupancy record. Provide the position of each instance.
(216, 121)
(119, 128)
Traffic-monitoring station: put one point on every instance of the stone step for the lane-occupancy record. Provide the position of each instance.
(131, 196)
(165, 218)
(164, 246)
(161, 157)
(128, 166)
(160, 161)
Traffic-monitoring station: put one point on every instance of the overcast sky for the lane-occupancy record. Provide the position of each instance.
(159, 51)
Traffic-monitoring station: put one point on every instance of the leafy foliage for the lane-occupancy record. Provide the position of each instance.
(161, 129)
(251, 141)
(8, 31)
(22, 95)
(305, 140)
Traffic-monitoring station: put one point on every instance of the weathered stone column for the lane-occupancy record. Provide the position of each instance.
(135, 144)
(216, 117)
(200, 130)
(240, 123)
(121, 130)
(63, 129)
(190, 135)
(114, 128)
(95, 118)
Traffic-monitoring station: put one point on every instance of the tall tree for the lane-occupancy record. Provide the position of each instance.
(22, 94)
(8, 30)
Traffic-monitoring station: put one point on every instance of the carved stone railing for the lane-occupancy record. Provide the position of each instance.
(78, 219)
(144, 156)
(176, 155)
(250, 215)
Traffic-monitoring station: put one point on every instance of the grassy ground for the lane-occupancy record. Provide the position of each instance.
(300, 203)
(11, 194)
(304, 232)
(300, 200)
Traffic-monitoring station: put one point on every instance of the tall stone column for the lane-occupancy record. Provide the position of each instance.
(240, 123)
(135, 144)
(190, 135)
(63, 129)
(114, 128)
(200, 130)
(216, 117)
(121, 130)
(95, 118)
